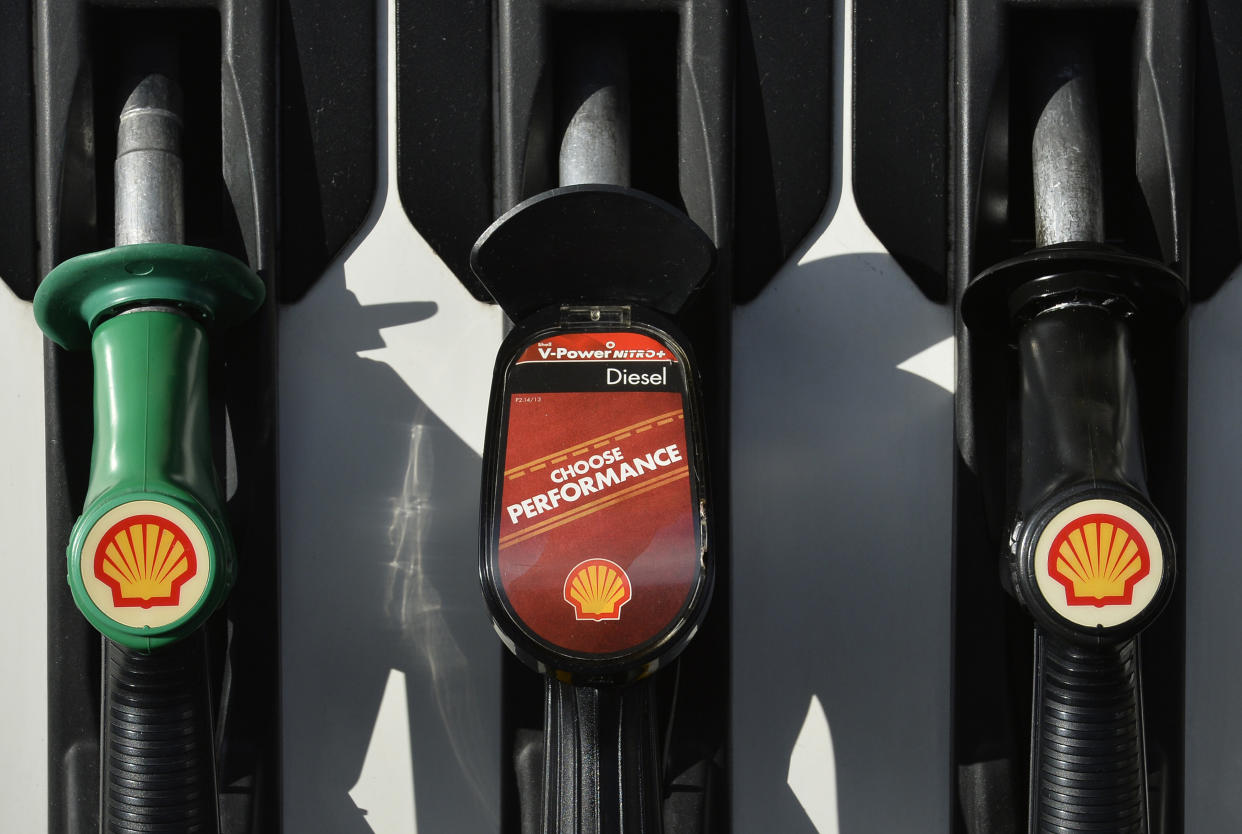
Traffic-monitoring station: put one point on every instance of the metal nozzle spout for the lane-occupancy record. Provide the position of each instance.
(595, 145)
(1065, 146)
(149, 198)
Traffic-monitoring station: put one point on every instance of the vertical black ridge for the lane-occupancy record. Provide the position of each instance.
(157, 754)
(601, 771)
(1087, 755)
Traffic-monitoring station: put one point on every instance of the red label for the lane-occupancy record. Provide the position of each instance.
(597, 550)
(1098, 558)
(144, 560)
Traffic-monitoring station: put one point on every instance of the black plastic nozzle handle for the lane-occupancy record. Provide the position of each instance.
(1087, 739)
(158, 761)
(601, 762)
(1078, 404)
(1080, 440)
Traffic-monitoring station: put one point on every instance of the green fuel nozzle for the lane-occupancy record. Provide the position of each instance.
(151, 557)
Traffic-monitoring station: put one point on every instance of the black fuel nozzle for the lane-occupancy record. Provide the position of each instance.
(594, 558)
(1088, 555)
(594, 553)
(592, 237)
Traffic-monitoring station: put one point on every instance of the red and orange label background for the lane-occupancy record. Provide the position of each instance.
(647, 525)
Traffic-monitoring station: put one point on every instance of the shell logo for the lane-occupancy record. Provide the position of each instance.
(597, 588)
(1099, 558)
(144, 560)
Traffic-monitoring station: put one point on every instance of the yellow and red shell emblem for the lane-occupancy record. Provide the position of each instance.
(144, 560)
(597, 588)
(1099, 558)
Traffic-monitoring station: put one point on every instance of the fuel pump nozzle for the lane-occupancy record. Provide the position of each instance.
(601, 768)
(151, 557)
(1088, 555)
(594, 558)
(1082, 473)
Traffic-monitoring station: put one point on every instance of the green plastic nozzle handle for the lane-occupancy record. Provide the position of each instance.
(151, 557)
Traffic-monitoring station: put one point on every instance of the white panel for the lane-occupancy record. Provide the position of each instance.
(1213, 569)
(23, 639)
(841, 491)
(385, 369)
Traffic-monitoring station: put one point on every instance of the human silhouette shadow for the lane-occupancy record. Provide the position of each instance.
(841, 560)
(379, 551)
(842, 552)
(379, 573)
